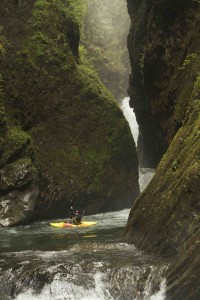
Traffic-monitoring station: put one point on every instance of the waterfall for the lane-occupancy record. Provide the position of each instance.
(145, 174)
(130, 117)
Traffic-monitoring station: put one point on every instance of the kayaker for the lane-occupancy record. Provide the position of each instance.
(76, 216)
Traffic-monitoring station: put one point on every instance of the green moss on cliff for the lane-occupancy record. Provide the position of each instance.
(2, 108)
(15, 141)
(77, 134)
(165, 212)
(196, 90)
(45, 49)
(164, 33)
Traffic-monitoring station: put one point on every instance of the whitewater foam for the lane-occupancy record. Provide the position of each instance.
(62, 290)
(130, 117)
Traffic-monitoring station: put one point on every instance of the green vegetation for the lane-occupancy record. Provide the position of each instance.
(42, 45)
(190, 59)
(196, 90)
(105, 32)
(2, 108)
(2, 93)
(15, 141)
(70, 125)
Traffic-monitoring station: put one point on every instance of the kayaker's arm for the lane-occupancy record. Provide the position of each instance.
(82, 213)
(72, 212)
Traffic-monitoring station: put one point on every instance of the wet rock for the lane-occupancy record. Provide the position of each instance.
(162, 39)
(64, 116)
(17, 174)
(166, 217)
(17, 206)
(3, 296)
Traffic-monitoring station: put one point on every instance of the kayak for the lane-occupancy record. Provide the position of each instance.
(69, 225)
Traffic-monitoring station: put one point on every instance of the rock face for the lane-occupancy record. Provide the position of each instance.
(166, 217)
(165, 92)
(171, 203)
(163, 45)
(63, 138)
(19, 193)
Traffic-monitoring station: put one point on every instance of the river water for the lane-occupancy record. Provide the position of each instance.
(40, 262)
(45, 263)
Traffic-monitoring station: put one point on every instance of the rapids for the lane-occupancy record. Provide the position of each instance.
(45, 263)
(40, 262)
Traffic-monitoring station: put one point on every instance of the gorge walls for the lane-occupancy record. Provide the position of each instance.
(63, 138)
(163, 46)
(164, 88)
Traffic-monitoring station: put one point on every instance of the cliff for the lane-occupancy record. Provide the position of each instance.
(163, 45)
(63, 138)
(166, 217)
(165, 92)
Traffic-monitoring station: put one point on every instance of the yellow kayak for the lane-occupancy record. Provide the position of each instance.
(69, 225)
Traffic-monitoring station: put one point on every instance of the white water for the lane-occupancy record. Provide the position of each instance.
(62, 290)
(130, 117)
(145, 174)
(86, 264)
(104, 285)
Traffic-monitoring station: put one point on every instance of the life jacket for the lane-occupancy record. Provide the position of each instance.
(77, 219)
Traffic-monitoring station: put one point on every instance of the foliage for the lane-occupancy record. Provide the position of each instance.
(59, 99)
(196, 91)
(105, 39)
(16, 139)
(92, 86)
(72, 9)
(2, 108)
(190, 59)
(42, 45)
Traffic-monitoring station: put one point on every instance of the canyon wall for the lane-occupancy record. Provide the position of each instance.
(164, 48)
(63, 138)
(164, 88)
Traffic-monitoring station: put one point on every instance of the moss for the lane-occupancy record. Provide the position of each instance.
(196, 90)
(2, 107)
(41, 48)
(190, 59)
(182, 101)
(91, 84)
(172, 197)
(189, 92)
(16, 139)
(75, 153)
(74, 122)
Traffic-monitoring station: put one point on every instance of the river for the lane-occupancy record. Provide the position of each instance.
(40, 262)
(45, 263)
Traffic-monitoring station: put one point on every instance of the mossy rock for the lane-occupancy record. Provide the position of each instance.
(14, 142)
(17, 174)
(78, 136)
(165, 218)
